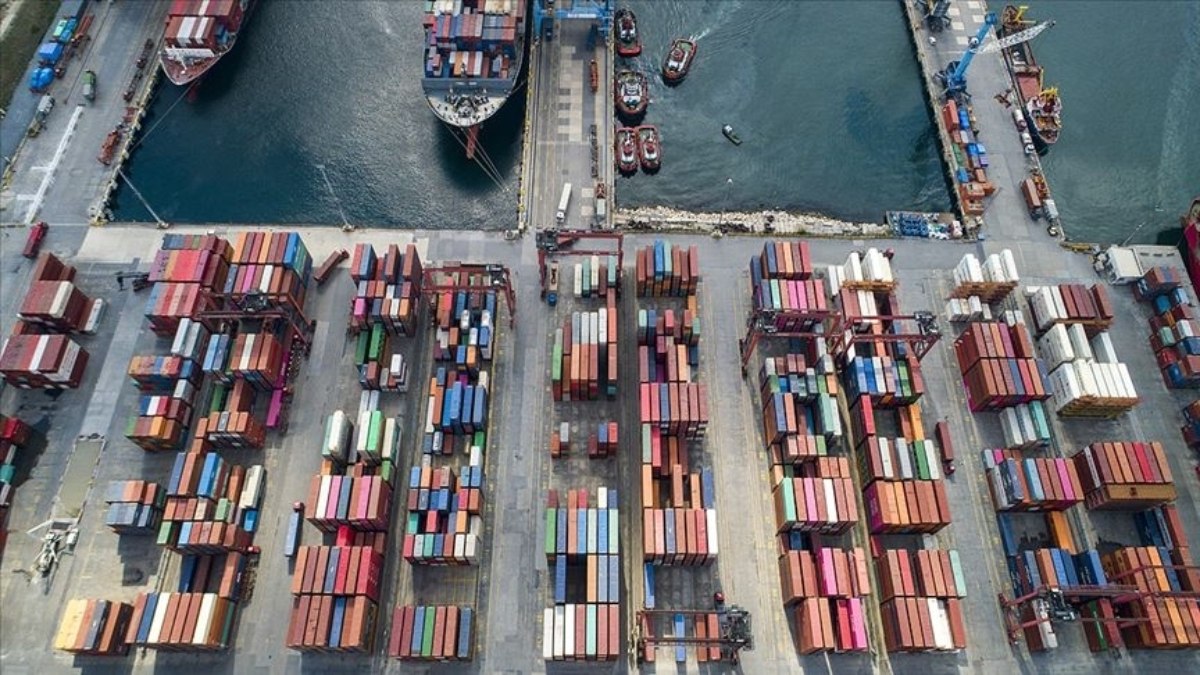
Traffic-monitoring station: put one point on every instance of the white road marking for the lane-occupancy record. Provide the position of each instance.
(40, 195)
(953, 11)
(957, 25)
(977, 18)
(974, 4)
(962, 40)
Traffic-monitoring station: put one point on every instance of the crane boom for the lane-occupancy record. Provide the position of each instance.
(960, 72)
(1016, 38)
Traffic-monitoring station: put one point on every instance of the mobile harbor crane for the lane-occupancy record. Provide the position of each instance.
(954, 77)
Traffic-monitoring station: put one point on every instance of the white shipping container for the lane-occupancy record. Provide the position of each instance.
(830, 501)
(204, 619)
(1010, 266)
(323, 495)
(569, 647)
(578, 280)
(614, 539)
(548, 634)
(1079, 342)
(160, 615)
(711, 516)
(941, 625)
(560, 632)
(429, 413)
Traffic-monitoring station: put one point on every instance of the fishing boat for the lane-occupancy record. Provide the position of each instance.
(649, 148)
(1191, 237)
(198, 33)
(627, 151)
(629, 43)
(1040, 105)
(679, 61)
(472, 56)
(631, 92)
(731, 135)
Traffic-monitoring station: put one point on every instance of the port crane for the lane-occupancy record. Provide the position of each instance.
(954, 77)
(561, 242)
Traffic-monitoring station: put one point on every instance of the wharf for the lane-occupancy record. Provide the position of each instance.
(1005, 216)
(55, 176)
(515, 586)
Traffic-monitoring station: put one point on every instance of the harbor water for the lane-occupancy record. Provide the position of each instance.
(825, 95)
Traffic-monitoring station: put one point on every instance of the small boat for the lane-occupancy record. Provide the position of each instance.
(731, 135)
(627, 151)
(632, 94)
(649, 148)
(679, 60)
(629, 43)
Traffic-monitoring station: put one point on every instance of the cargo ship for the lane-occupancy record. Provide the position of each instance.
(1191, 238)
(1039, 104)
(473, 55)
(198, 33)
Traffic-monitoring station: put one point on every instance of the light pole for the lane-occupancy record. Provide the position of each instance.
(725, 202)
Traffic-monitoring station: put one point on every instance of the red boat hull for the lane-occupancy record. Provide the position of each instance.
(1191, 237)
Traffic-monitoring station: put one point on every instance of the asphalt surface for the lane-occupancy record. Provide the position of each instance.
(55, 175)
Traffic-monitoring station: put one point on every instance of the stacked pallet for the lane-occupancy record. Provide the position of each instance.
(1031, 483)
(33, 361)
(869, 271)
(378, 368)
(134, 506)
(1070, 304)
(999, 367)
(1174, 333)
(914, 506)
(271, 265)
(445, 514)
(181, 621)
(583, 361)
(1125, 475)
(923, 624)
(432, 633)
(667, 270)
(781, 282)
(934, 573)
(1086, 378)
(990, 281)
(387, 289)
(360, 502)
(94, 627)
(970, 308)
(826, 505)
(596, 275)
(800, 413)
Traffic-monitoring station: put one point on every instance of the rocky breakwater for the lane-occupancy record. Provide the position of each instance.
(664, 219)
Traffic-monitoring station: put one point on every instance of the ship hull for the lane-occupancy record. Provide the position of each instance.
(1191, 238)
(467, 102)
(182, 74)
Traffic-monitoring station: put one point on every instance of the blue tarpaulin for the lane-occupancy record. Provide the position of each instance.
(50, 52)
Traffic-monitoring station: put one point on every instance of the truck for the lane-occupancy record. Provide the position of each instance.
(89, 85)
(295, 522)
(45, 105)
(563, 202)
(552, 285)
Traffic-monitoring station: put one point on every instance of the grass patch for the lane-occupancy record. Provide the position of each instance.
(29, 24)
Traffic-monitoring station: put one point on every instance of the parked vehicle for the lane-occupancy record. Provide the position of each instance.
(89, 85)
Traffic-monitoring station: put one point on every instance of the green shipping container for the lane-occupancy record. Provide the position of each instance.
(427, 639)
(591, 631)
(789, 501)
(551, 527)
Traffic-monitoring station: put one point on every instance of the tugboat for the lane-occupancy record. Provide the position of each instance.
(627, 151)
(649, 149)
(679, 61)
(731, 134)
(632, 94)
(629, 44)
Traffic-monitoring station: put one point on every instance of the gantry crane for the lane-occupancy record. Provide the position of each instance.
(733, 635)
(562, 242)
(466, 277)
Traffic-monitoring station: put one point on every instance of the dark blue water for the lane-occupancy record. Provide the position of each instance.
(826, 96)
(320, 83)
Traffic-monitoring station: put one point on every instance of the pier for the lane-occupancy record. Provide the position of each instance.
(568, 139)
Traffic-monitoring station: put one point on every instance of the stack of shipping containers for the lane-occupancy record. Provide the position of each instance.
(38, 354)
(678, 498)
(582, 547)
(15, 434)
(1174, 325)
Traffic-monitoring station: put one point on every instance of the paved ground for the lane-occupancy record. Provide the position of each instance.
(56, 177)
